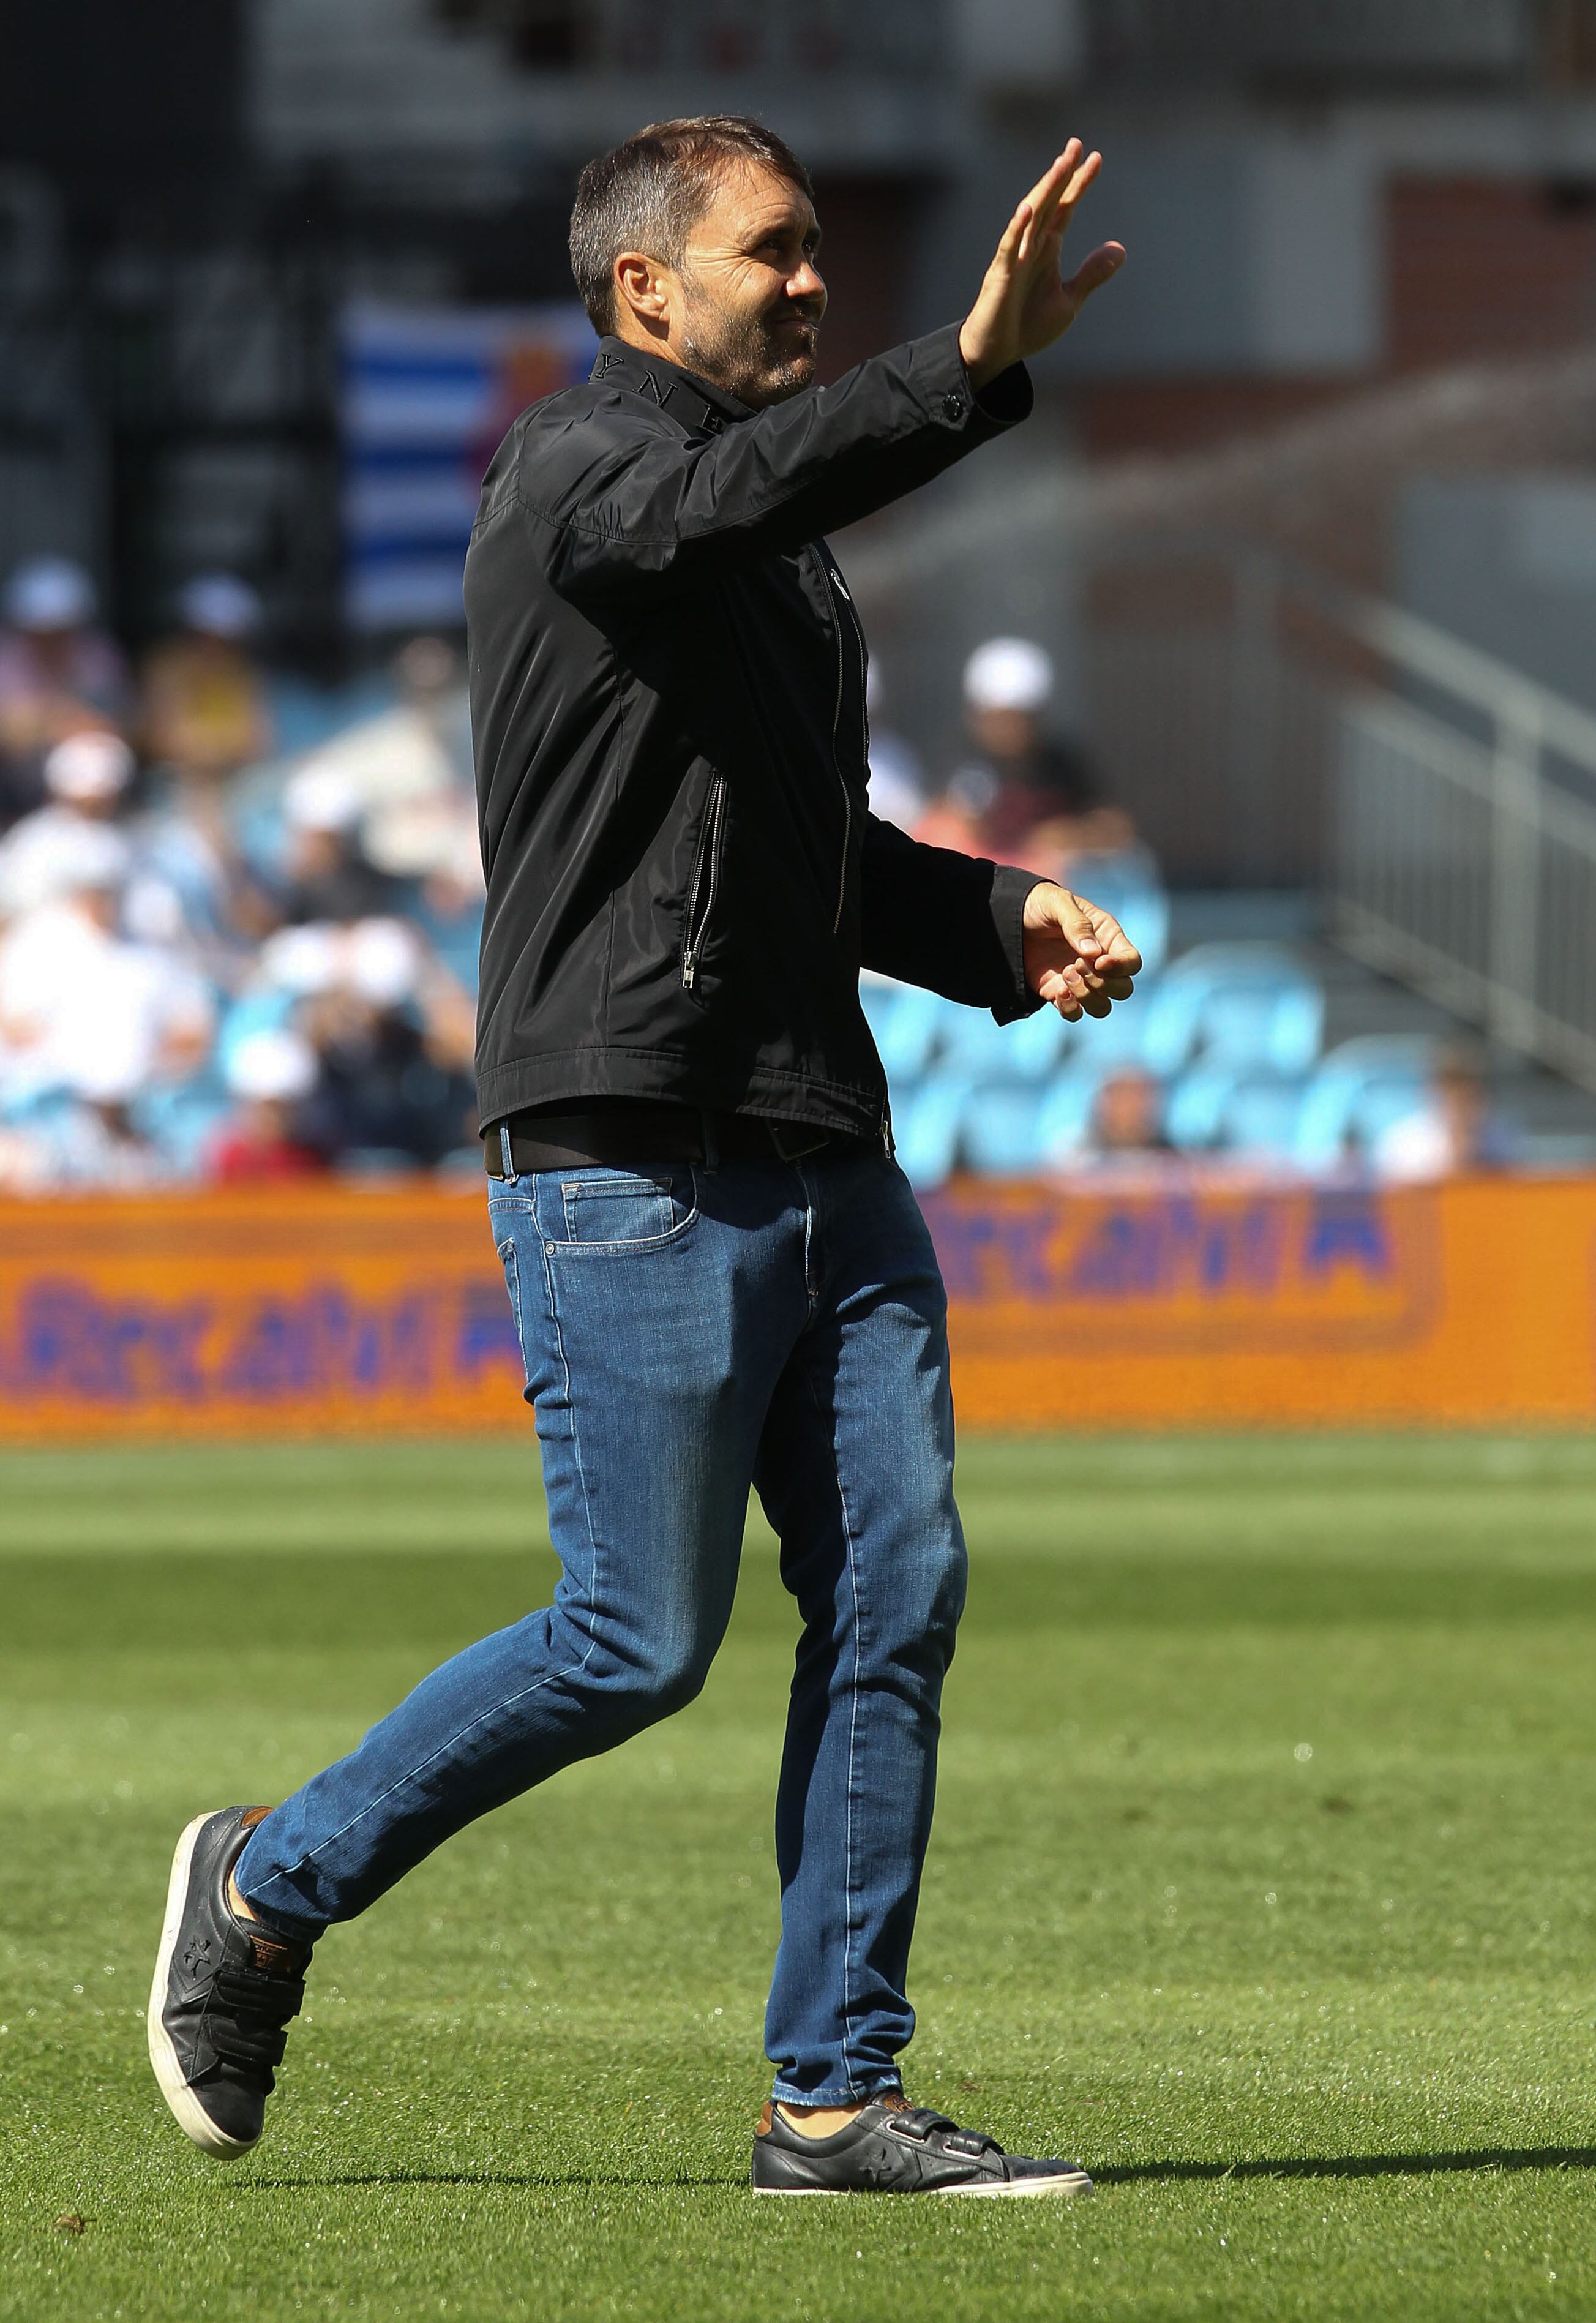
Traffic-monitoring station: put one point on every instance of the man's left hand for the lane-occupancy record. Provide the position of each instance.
(1076, 957)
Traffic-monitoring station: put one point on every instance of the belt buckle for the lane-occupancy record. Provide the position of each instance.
(792, 1145)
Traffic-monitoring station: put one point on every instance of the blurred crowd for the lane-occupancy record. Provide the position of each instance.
(231, 950)
(217, 959)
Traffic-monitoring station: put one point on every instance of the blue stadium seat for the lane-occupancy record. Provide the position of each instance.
(1029, 1049)
(266, 1009)
(1247, 1005)
(179, 1118)
(1379, 1076)
(1064, 1117)
(1199, 1104)
(1217, 1106)
(1262, 1115)
(999, 1128)
(906, 1023)
(926, 1122)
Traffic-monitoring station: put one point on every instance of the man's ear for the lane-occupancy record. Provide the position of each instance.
(641, 289)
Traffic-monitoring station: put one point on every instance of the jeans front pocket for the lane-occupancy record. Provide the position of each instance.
(620, 1210)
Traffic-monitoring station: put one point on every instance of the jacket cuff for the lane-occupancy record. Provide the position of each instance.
(953, 396)
(1010, 887)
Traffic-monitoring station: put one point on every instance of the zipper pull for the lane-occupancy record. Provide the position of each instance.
(688, 971)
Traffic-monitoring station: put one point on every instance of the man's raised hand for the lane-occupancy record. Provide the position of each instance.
(1023, 304)
(1076, 957)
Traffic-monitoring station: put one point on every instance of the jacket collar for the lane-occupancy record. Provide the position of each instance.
(697, 403)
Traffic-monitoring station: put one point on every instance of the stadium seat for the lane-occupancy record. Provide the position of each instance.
(180, 1120)
(1251, 1006)
(998, 1128)
(1064, 1117)
(926, 1121)
(1262, 1115)
(1029, 1049)
(1199, 1101)
(265, 1008)
(1219, 1108)
(907, 1024)
(1379, 1076)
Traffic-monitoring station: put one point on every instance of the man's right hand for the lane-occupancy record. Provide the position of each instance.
(1023, 304)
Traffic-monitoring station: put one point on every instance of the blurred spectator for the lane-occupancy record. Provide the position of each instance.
(393, 1039)
(270, 1075)
(408, 769)
(1452, 1133)
(1025, 797)
(898, 791)
(448, 906)
(1128, 1117)
(57, 672)
(1125, 1136)
(85, 781)
(203, 707)
(328, 875)
(86, 1017)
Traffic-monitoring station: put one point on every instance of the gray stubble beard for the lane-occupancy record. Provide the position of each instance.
(738, 354)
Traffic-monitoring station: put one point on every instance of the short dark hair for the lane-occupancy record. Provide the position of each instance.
(650, 192)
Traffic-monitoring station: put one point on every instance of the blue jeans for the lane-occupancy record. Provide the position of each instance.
(688, 1332)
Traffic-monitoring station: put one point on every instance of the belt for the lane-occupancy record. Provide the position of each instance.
(634, 1135)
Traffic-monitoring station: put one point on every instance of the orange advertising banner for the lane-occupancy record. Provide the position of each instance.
(381, 1309)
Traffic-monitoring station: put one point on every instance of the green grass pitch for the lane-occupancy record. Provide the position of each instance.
(1261, 1881)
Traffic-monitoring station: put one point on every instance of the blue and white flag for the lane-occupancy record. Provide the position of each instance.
(428, 394)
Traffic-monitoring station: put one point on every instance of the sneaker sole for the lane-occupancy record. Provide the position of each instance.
(189, 2115)
(1074, 2182)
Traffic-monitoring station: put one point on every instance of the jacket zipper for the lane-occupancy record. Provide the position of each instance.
(706, 878)
(831, 588)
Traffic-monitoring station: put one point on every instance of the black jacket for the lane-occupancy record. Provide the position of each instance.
(667, 682)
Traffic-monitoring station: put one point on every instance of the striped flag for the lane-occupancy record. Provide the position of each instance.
(427, 395)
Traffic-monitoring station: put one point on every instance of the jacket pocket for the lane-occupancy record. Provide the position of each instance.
(702, 886)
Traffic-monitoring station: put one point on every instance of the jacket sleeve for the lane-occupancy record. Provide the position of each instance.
(641, 505)
(945, 920)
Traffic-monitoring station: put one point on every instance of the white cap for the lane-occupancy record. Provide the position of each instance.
(304, 960)
(1009, 674)
(220, 604)
(412, 837)
(95, 856)
(279, 1065)
(321, 798)
(382, 961)
(48, 592)
(88, 766)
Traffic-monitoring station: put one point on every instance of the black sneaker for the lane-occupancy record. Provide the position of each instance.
(223, 1995)
(894, 2148)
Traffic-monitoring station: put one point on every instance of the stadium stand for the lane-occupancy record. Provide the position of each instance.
(222, 966)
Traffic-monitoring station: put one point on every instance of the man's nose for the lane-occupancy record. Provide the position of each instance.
(806, 284)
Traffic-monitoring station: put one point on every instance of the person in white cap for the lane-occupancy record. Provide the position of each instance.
(329, 877)
(83, 1012)
(57, 672)
(86, 780)
(1026, 794)
(204, 707)
(270, 1074)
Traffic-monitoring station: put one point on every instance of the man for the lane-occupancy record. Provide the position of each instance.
(719, 1274)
